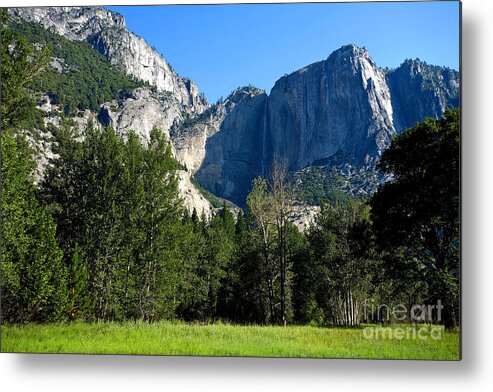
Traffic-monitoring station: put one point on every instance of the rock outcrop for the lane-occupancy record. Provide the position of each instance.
(141, 110)
(224, 147)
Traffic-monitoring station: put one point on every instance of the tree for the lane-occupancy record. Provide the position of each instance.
(33, 277)
(79, 300)
(21, 63)
(158, 209)
(260, 204)
(337, 278)
(282, 204)
(34, 286)
(117, 200)
(417, 211)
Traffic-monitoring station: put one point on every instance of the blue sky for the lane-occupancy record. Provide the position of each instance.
(222, 47)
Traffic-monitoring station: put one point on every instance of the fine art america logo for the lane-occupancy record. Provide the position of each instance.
(418, 321)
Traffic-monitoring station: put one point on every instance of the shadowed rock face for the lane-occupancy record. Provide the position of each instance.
(234, 153)
(419, 90)
(224, 148)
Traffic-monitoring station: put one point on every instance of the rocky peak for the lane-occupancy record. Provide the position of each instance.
(241, 93)
(74, 23)
(337, 106)
(413, 66)
(349, 55)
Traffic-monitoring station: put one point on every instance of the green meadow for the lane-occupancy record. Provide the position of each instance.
(167, 338)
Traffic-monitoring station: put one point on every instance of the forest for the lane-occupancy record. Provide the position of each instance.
(105, 236)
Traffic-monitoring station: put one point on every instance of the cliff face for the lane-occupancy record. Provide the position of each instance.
(234, 153)
(140, 110)
(338, 106)
(223, 147)
(106, 32)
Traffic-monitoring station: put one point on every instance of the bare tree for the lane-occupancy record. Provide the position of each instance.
(283, 208)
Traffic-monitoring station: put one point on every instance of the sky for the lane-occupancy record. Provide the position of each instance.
(222, 47)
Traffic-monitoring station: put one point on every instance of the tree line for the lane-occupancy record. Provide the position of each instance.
(105, 235)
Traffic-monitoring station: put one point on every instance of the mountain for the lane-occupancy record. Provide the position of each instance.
(341, 112)
(102, 74)
(336, 116)
(106, 32)
(223, 147)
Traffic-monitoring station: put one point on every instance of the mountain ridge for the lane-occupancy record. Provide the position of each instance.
(341, 111)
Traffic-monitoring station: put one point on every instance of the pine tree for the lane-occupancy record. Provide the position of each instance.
(118, 201)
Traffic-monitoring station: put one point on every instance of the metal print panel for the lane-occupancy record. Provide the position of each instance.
(314, 211)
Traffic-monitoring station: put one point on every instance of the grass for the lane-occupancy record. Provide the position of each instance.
(167, 338)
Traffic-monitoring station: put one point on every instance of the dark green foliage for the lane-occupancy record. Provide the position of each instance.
(317, 185)
(33, 280)
(33, 274)
(335, 280)
(245, 294)
(86, 80)
(417, 212)
(208, 253)
(79, 299)
(117, 200)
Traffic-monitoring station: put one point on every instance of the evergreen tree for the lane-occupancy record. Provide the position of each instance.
(79, 300)
(33, 276)
(34, 286)
(118, 200)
